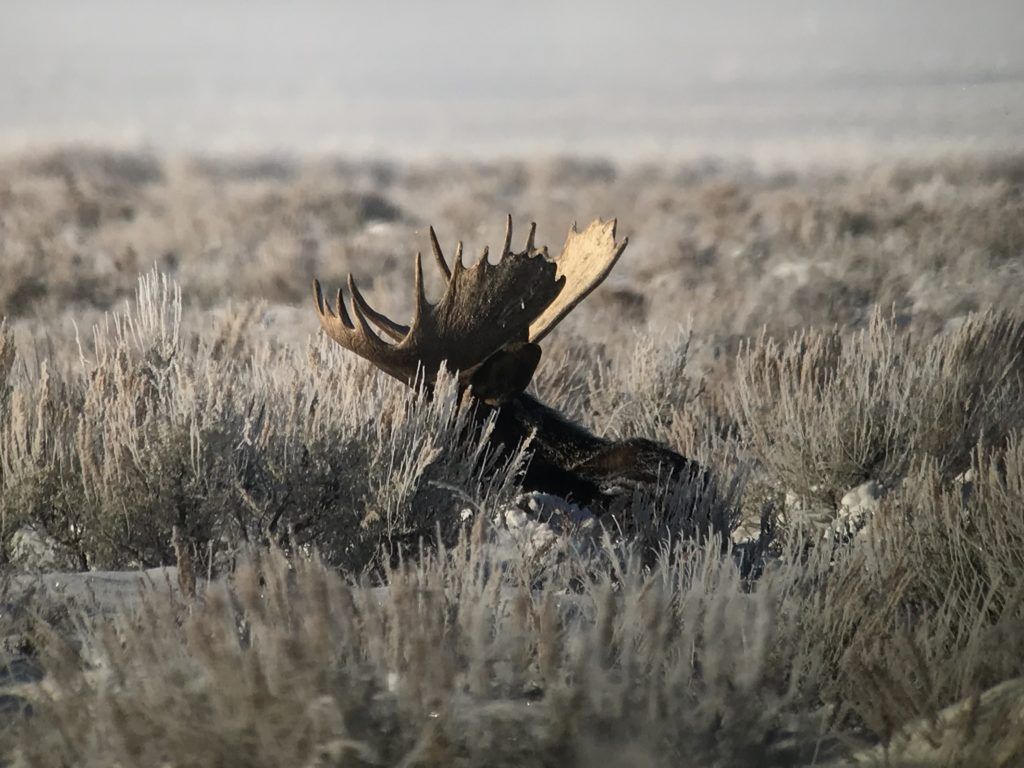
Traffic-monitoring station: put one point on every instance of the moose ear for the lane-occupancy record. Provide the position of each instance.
(506, 373)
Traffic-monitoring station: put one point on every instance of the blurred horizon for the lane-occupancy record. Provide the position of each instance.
(790, 79)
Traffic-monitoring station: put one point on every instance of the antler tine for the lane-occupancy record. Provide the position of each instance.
(506, 249)
(439, 255)
(394, 330)
(529, 238)
(361, 309)
(585, 261)
(345, 319)
(421, 297)
(484, 309)
(322, 306)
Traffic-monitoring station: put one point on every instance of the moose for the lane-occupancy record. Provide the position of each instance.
(488, 326)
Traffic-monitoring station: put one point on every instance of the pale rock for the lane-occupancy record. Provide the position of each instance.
(852, 514)
(538, 529)
(33, 551)
(862, 501)
(810, 514)
(979, 730)
(856, 509)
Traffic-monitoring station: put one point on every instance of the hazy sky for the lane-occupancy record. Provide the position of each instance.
(416, 77)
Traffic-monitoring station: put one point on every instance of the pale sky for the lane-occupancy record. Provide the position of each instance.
(418, 78)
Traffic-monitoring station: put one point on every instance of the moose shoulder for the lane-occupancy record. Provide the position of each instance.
(488, 326)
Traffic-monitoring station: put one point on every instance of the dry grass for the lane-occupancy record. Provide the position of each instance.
(848, 301)
(290, 663)
(161, 428)
(734, 249)
(828, 411)
(293, 665)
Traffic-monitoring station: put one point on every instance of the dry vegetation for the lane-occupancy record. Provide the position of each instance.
(802, 335)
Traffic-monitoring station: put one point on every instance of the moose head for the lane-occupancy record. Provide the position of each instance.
(488, 327)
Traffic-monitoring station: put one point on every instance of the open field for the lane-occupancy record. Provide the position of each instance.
(842, 348)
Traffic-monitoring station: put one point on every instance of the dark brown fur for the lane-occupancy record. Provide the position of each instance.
(567, 459)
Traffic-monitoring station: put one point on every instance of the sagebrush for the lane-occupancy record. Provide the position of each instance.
(849, 332)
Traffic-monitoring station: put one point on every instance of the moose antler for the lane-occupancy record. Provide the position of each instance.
(487, 327)
(585, 261)
(485, 308)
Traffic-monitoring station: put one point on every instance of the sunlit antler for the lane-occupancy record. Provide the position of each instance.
(585, 261)
(485, 307)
